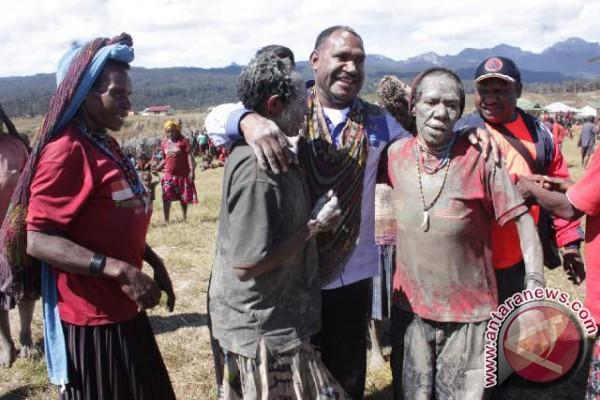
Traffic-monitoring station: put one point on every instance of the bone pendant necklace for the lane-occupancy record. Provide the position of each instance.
(426, 207)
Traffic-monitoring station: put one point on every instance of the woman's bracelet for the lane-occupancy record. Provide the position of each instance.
(97, 264)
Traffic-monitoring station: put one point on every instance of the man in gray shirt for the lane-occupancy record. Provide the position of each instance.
(265, 298)
(588, 140)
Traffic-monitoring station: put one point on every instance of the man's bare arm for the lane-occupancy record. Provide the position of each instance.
(555, 202)
(533, 255)
(67, 255)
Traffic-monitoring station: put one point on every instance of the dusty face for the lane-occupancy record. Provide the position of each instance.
(108, 107)
(292, 118)
(437, 109)
(496, 100)
(338, 65)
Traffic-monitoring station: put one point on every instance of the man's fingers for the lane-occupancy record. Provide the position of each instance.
(537, 177)
(280, 157)
(331, 220)
(270, 154)
(274, 160)
(260, 156)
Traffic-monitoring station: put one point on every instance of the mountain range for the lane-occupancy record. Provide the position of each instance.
(569, 58)
(201, 87)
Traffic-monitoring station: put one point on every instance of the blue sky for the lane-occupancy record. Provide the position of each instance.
(34, 33)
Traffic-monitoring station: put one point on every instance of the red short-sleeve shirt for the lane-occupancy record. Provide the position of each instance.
(505, 239)
(176, 156)
(446, 273)
(81, 194)
(585, 196)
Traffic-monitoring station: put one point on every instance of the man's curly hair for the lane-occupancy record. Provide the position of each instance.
(266, 75)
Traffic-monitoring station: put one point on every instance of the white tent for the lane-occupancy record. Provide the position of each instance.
(559, 107)
(587, 111)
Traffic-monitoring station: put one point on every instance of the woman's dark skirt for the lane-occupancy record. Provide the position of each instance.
(117, 362)
(25, 286)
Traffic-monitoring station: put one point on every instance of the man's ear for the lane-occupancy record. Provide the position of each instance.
(314, 59)
(519, 89)
(275, 106)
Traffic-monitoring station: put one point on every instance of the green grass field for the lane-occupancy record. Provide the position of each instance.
(183, 335)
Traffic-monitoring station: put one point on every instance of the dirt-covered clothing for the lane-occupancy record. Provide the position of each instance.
(445, 273)
(297, 374)
(281, 307)
(436, 360)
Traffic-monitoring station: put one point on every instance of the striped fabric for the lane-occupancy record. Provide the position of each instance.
(298, 374)
(101, 361)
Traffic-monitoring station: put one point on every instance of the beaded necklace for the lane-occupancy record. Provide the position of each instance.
(444, 162)
(109, 146)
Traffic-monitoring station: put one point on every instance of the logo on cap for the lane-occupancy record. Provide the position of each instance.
(493, 65)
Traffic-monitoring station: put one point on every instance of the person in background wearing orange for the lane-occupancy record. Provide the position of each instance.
(558, 131)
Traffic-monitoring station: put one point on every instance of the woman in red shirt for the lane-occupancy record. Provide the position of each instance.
(178, 181)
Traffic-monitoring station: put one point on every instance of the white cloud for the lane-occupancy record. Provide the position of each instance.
(34, 34)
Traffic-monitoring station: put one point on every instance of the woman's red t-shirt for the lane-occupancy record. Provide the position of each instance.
(81, 194)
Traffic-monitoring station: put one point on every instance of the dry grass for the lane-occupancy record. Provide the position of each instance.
(183, 335)
(136, 128)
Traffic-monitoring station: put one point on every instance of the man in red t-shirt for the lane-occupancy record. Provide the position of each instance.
(572, 201)
(527, 148)
(87, 218)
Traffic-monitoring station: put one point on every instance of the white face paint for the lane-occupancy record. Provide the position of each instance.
(437, 109)
(291, 120)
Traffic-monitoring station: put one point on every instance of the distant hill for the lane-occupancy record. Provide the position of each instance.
(184, 88)
(187, 88)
